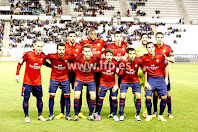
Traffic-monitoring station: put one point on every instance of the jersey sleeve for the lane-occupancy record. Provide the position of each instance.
(170, 54)
(142, 65)
(49, 56)
(165, 61)
(20, 63)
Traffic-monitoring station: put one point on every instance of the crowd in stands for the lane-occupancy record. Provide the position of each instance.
(90, 7)
(135, 3)
(177, 31)
(1, 32)
(25, 32)
(34, 7)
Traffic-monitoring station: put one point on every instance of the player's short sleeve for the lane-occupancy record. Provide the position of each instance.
(44, 57)
(142, 65)
(165, 61)
(119, 69)
(24, 58)
(49, 56)
(170, 54)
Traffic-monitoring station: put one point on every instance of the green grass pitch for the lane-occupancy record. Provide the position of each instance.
(184, 106)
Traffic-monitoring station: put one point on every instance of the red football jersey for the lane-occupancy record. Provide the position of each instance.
(108, 72)
(164, 49)
(59, 67)
(96, 46)
(154, 66)
(75, 49)
(130, 70)
(84, 69)
(118, 51)
(32, 74)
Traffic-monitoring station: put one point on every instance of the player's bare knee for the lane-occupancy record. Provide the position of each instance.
(53, 94)
(77, 94)
(113, 97)
(92, 95)
(148, 97)
(164, 97)
(123, 95)
(66, 94)
(137, 95)
(101, 97)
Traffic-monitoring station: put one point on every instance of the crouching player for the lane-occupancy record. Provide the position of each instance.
(59, 78)
(108, 81)
(154, 79)
(129, 78)
(85, 66)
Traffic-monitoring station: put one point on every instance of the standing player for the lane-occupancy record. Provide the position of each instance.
(140, 51)
(85, 64)
(154, 79)
(97, 47)
(129, 78)
(32, 78)
(59, 78)
(119, 50)
(72, 48)
(162, 48)
(108, 81)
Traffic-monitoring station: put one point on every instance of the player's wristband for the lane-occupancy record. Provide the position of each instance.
(17, 77)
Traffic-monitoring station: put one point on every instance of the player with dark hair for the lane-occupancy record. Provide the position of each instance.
(162, 48)
(72, 48)
(154, 79)
(129, 78)
(85, 66)
(108, 81)
(59, 78)
(119, 51)
(97, 48)
(32, 78)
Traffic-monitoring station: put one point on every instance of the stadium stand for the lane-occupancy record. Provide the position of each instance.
(35, 7)
(1, 32)
(191, 7)
(155, 8)
(51, 22)
(95, 8)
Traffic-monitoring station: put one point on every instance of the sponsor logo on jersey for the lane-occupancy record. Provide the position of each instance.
(35, 66)
(95, 52)
(108, 72)
(60, 67)
(131, 71)
(153, 67)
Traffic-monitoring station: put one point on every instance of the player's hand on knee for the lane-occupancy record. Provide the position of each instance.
(17, 78)
(148, 86)
(115, 88)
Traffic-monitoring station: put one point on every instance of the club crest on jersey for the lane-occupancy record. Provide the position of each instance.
(123, 49)
(41, 59)
(136, 65)
(76, 50)
(157, 61)
(164, 51)
(98, 44)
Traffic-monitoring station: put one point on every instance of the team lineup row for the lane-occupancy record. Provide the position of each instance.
(100, 67)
